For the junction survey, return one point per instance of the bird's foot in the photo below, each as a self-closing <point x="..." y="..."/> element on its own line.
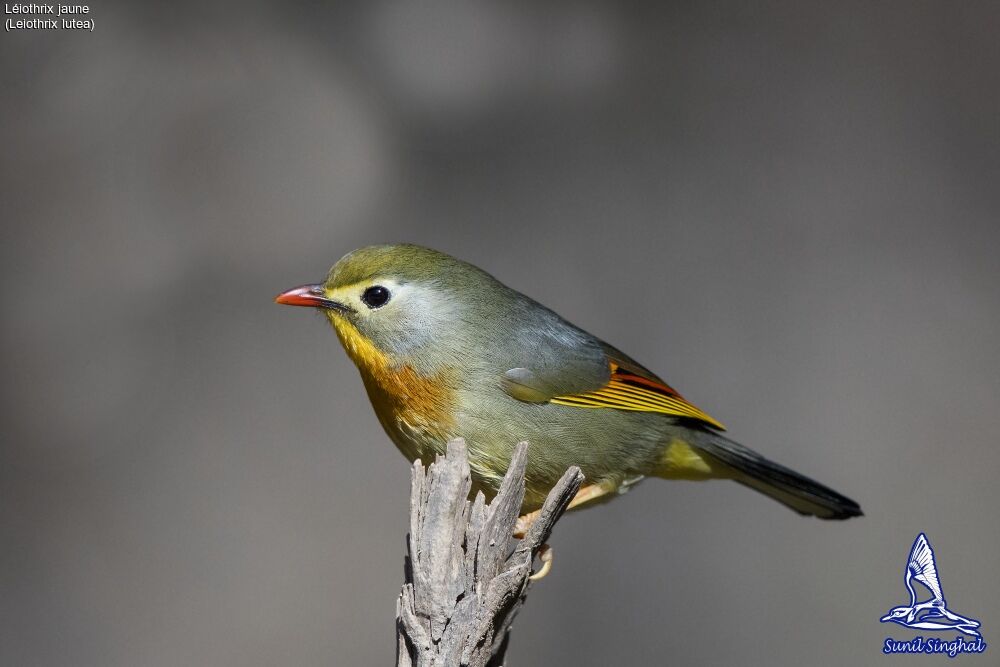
<point x="544" y="552"/>
<point x="587" y="494"/>
<point x="524" y="523"/>
<point x="545" y="556"/>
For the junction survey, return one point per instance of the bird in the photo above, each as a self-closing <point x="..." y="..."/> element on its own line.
<point x="921" y="566"/>
<point x="446" y="350"/>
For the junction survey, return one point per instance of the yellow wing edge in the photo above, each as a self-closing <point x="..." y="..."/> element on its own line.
<point x="621" y="393"/>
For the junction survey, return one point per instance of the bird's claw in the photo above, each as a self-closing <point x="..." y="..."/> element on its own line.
<point x="544" y="552"/>
<point x="545" y="556"/>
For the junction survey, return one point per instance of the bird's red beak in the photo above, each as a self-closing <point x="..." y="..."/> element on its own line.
<point x="313" y="296"/>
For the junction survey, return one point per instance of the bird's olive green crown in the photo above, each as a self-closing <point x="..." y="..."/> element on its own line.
<point x="405" y="262"/>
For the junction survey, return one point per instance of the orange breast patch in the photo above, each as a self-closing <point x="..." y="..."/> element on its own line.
<point x="413" y="407"/>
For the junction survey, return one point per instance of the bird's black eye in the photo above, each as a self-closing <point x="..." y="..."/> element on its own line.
<point x="376" y="296"/>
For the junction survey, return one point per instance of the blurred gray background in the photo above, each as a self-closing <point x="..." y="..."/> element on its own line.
<point x="789" y="211"/>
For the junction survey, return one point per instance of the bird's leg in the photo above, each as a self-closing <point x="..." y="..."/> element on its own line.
<point x="585" y="495"/>
<point x="524" y="523"/>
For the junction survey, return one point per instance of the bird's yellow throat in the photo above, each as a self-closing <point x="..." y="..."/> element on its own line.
<point x="405" y="401"/>
<point x="362" y="352"/>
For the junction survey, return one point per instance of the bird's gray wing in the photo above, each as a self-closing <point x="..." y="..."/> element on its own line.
<point x="554" y="361"/>
<point x="578" y="370"/>
<point x="922" y="566"/>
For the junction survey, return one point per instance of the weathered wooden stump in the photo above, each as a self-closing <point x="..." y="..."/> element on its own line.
<point x="464" y="582"/>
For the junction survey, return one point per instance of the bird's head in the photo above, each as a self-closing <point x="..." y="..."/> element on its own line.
<point x="896" y="614"/>
<point x="390" y="303"/>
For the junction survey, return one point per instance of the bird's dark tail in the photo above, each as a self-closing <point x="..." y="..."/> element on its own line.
<point x="788" y="487"/>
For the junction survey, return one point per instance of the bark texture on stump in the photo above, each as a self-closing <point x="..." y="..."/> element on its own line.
<point x="464" y="581"/>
